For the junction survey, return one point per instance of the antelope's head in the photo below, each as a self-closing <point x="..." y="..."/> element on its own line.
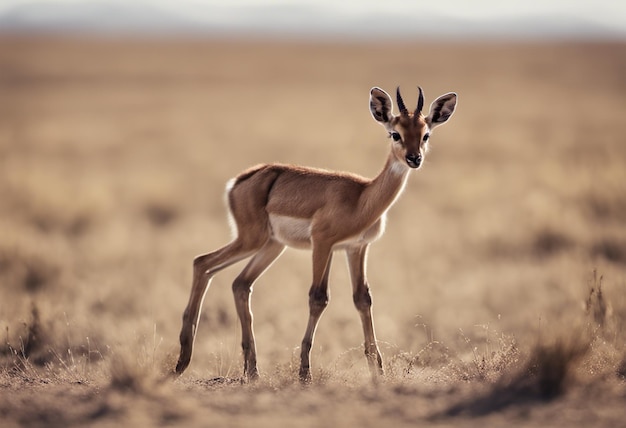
<point x="410" y="131"/>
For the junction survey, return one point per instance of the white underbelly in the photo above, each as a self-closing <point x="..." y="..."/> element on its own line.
<point x="291" y="231"/>
<point x="296" y="232"/>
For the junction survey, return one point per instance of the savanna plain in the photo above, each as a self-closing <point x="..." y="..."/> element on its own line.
<point x="499" y="286"/>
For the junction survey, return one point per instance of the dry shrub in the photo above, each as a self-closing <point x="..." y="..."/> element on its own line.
<point x="160" y="213"/>
<point x="484" y="360"/>
<point x="544" y="241"/>
<point x="140" y="366"/>
<point x="30" y="344"/>
<point x="493" y="362"/>
<point x="591" y="350"/>
<point x="549" y="241"/>
<point x="53" y="202"/>
<point x="28" y="269"/>
<point x="607" y="203"/>
<point x="136" y="391"/>
<point x="621" y="369"/>
<point x="548" y="369"/>
<point x="434" y="356"/>
<point x="596" y="306"/>
<point x="605" y="310"/>
<point x="606" y="317"/>
<point x="34" y="276"/>
<point x="129" y="376"/>
<point x="42" y="348"/>
<point x="611" y="249"/>
<point x="35" y="340"/>
<point x="543" y="377"/>
<point x="158" y="197"/>
<point x="606" y="208"/>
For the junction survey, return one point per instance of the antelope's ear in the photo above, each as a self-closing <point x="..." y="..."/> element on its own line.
<point x="441" y="109"/>
<point x="380" y="105"/>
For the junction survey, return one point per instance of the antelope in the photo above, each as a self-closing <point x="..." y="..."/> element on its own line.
<point x="273" y="206"/>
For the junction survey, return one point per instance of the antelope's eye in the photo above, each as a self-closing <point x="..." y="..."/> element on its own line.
<point x="395" y="136"/>
<point x="426" y="137"/>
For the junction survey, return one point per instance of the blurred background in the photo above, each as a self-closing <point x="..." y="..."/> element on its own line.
<point x="322" y="19"/>
<point x="121" y="121"/>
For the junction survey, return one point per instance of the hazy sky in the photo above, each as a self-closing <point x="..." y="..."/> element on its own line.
<point x="610" y="14"/>
<point x="608" y="11"/>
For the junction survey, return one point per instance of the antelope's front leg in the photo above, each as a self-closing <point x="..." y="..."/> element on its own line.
<point x="363" y="302"/>
<point x="318" y="300"/>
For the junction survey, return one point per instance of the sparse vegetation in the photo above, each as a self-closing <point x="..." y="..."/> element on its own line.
<point x="499" y="288"/>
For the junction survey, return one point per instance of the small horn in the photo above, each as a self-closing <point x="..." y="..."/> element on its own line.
<point x="420" y="101"/>
<point x="401" y="105"/>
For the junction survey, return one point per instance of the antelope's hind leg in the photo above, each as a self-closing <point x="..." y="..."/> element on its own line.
<point x="204" y="267"/>
<point x="242" y="288"/>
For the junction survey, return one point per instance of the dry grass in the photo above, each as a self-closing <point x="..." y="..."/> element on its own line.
<point x="113" y="158"/>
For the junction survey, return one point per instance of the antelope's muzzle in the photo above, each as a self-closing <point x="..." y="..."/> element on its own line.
<point x="414" y="160"/>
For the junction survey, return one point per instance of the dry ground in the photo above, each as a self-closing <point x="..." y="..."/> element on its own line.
<point x="113" y="158"/>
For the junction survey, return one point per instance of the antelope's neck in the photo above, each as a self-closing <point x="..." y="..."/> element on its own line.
<point x="385" y="188"/>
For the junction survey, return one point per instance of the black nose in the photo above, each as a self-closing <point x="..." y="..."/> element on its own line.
<point x="414" y="160"/>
